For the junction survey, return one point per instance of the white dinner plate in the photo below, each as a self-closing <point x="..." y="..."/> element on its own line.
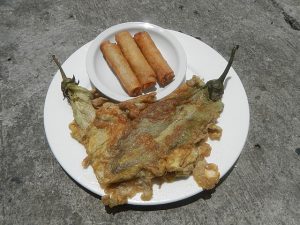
<point x="104" y="79"/>
<point x="203" y="61"/>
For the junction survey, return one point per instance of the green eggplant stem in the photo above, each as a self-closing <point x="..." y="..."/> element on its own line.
<point x="64" y="77"/>
<point x="216" y="87"/>
<point x="67" y="83"/>
<point x="224" y="74"/>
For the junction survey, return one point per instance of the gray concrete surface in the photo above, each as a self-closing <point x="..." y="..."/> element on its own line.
<point x="264" y="188"/>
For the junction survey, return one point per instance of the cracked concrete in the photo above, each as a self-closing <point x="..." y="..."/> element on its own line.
<point x="264" y="188"/>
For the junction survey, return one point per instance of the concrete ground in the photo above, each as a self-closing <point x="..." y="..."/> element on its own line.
<point x="264" y="188"/>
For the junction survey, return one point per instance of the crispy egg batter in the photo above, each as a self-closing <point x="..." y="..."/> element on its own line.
<point x="131" y="143"/>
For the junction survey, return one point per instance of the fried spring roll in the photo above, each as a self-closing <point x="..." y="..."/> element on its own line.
<point x="164" y="73"/>
<point x="115" y="59"/>
<point x="136" y="60"/>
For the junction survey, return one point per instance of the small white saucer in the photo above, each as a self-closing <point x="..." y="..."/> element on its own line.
<point x="105" y="80"/>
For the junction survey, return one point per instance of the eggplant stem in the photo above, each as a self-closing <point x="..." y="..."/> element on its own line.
<point x="64" y="76"/>
<point x="224" y="74"/>
<point x="216" y="87"/>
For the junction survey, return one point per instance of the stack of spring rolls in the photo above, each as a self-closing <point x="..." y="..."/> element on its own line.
<point x="137" y="62"/>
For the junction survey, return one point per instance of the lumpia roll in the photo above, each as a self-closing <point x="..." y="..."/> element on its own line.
<point x="115" y="59"/>
<point x="136" y="60"/>
<point x="164" y="73"/>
